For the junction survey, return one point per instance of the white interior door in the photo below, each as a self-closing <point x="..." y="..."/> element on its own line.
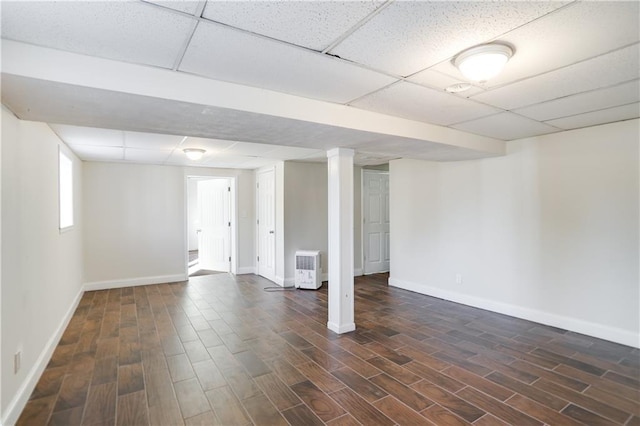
<point x="266" y="224"/>
<point x="214" y="238"/>
<point x="376" y="236"/>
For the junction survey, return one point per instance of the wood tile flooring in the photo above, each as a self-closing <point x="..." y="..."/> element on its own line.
<point x="220" y="350"/>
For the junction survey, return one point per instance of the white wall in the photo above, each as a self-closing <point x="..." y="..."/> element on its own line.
<point x="134" y="223"/>
<point x="549" y="232"/>
<point x="135" y="216"/>
<point x="41" y="267"/>
<point x="305" y="213"/>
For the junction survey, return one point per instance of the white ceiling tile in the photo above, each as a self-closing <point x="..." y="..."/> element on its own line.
<point x="146" y="155"/>
<point x="75" y="135"/>
<point x="312" y="24"/>
<point x="122" y="30"/>
<point x="151" y="140"/>
<point x="98" y="153"/>
<point x="609" y="115"/>
<point x="602" y="71"/>
<point x="230" y="55"/>
<point x="248" y="149"/>
<point x="186" y="6"/>
<point x="574" y="33"/>
<point x="409" y="36"/>
<point x="209" y="145"/>
<point x="621" y="94"/>
<point x="255" y="163"/>
<point x="419" y="103"/>
<point x="506" y="126"/>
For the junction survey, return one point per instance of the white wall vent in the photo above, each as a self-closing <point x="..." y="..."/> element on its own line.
<point x="308" y="270"/>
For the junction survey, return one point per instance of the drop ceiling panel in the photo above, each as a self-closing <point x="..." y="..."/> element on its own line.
<point x="75" y="135"/>
<point x="125" y="31"/>
<point x="98" y="153"/>
<point x="621" y="94"/>
<point x="312" y="24"/>
<point x="209" y="145"/>
<point x="419" y="103"/>
<point x="572" y="34"/>
<point x="154" y="156"/>
<point x="186" y="6"/>
<point x="594" y="118"/>
<point x="506" y="126"/>
<point x="151" y="140"/>
<point x="248" y="149"/>
<point x="437" y="80"/>
<point x="255" y="163"/>
<point x="408" y="36"/>
<point x="584" y="76"/>
<point x="230" y="55"/>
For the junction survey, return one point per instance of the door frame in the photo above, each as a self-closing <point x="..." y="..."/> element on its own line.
<point x="233" y="204"/>
<point x="362" y="236"/>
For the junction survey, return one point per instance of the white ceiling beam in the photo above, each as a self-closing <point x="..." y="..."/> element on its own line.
<point x="53" y="65"/>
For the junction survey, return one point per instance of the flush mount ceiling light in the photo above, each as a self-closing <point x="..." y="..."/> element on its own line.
<point x="480" y="63"/>
<point x="194" y="153"/>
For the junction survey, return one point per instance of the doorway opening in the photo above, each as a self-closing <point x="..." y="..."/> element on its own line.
<point x="211" y="225"/>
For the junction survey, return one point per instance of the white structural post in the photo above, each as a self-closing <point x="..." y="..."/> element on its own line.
<point x="340" y="172"/>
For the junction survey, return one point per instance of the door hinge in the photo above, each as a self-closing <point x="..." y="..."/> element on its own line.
<point x="257" y="185"/>
<point x="258" y="222"/>
<point x="228" y="189"/>
<point x="229" y="258"/>
<point x="258" y="258"/>
<point x="229" y="223"/>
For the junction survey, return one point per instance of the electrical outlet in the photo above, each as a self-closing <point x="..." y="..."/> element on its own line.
<point x="458" y="278"/>
<point x="16" y="362"/>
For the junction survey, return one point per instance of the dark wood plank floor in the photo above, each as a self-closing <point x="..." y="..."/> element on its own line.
<point x="220" y="350"/>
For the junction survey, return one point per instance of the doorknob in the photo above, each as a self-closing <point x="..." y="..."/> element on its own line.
<point x="272" y="232"/>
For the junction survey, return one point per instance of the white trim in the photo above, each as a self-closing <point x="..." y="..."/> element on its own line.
<point x="134" y="282"/>
<point x="21" y="397"/>
<point x="600" y="331"/>
<point x="340" y="329"/>
<point x="243" y="270"/>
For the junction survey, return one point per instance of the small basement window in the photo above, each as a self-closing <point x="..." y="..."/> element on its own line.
<point x="65" y="190"/>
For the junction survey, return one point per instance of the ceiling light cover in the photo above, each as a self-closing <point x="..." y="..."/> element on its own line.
<point x="194" y="154"/>
<point x="483" y="62"/>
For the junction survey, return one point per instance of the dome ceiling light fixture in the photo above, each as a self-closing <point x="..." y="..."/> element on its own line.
<point x="194" y="154"/>
<point x="483" y="62"/>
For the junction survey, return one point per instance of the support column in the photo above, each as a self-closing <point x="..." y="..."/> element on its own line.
<point x="341" y="308"/>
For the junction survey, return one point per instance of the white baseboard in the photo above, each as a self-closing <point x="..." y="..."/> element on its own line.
<point x="246" y="270"/>
<point x="600" y="331"/>
<point x="19" y="401"/>
<point x="357" y="272"/>
<point x="133" y="282"/>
